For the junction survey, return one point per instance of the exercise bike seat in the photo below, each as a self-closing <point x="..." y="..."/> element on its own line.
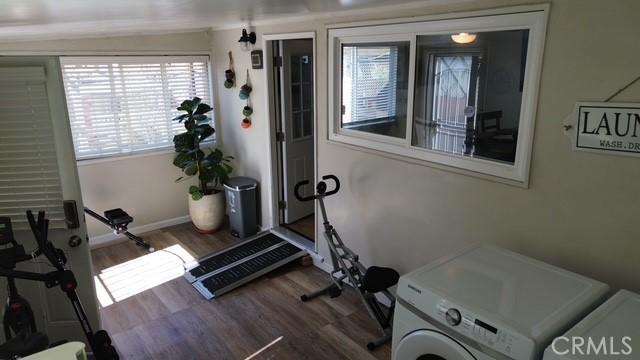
<point x="379" y="278"/>
<point x="118" y="217"/>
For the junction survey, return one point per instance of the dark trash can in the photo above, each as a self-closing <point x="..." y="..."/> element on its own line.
<point x="242" y="198"/>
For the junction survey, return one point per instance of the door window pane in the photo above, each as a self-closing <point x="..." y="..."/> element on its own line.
<point x="307" y="123"/>
<point x="306" y="64"/>
<point x="296" y="123"/>
<point x="295" y="69"/>
<point x="307" y="97"/>
<point x="295" y="97"/>
<point x="468" y="96"/>
<point x="374" y="87"/>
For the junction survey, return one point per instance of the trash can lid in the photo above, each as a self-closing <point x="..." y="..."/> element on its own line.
<point x="239" y="183"/>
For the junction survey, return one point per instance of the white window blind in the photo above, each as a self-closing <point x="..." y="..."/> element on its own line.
<point x="29" y="177"/>
<point x="369" y="82"/>
<point x="124" y="104"/>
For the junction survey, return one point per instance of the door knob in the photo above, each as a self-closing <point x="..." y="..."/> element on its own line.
<point x="75" y="241"/>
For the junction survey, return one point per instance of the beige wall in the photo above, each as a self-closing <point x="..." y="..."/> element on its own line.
<point x="580" y="211"/>
<point x="143" y="186"/>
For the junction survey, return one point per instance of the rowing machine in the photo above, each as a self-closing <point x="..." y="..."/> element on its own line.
<point x="118" y="220"/>
<point x="346" y="266"/>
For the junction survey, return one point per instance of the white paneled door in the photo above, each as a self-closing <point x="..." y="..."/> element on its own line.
<point x="38" y="171"/>
<point x="298" y="125"/>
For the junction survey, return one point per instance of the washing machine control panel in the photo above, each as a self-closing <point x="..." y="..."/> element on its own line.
<point x="482" y="331"/>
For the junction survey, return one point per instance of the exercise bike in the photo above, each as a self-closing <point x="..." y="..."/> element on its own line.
<point x="23" y="338"/>
<point x="346" y="266"/>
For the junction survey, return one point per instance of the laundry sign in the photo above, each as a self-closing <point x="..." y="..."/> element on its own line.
<point x="605" y="127"/>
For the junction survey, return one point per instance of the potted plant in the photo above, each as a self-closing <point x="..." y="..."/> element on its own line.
<point x="206" y="200"/>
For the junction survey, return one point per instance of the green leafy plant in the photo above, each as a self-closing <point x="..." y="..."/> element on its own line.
<point x="209" y="168"/>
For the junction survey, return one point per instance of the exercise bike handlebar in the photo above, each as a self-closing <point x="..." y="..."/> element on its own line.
<point x="336" y="184"/>
<point x="40" y="229"/>
<point x="321" y="188"/>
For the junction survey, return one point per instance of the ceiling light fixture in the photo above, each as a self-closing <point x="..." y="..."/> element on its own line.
<point x="463" y="38"/>
<point x="246" y="39"/>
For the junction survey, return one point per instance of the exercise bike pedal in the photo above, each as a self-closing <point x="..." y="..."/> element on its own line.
<point x="102" y="337"/>
<point x="334" y="292"/>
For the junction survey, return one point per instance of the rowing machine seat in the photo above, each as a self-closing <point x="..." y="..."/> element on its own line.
<point x="378" y="278"/>
<point x="118" y="217"/>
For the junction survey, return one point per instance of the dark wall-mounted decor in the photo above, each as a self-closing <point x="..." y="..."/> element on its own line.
<point x="229" y="74"/>
<point x="256" y="59"/>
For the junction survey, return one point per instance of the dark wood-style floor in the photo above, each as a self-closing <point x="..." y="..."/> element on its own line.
<point x="261" y="320"/>
<point x="305" y="226"/>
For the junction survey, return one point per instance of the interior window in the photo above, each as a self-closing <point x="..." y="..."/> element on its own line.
<point x="461" y="92"/>
<point x="374" y="88"/>
<point x="468" y="95"/>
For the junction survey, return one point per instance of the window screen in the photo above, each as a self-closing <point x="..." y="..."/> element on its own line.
<point x="124" y="104"/>
<point x="28" y="167"/>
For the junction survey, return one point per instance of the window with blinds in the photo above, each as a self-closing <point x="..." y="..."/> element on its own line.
<point x="374" y="88"/>
<point x="369" y="75"/>
<point x="28" y="167"/>
<point x="121" y="105"/>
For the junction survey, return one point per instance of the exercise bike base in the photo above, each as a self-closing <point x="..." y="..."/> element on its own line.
<point x="379" y="342"/>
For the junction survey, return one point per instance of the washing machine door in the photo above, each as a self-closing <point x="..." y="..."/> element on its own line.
<point x="431" y="345"/>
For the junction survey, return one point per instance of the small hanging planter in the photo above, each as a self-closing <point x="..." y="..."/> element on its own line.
<point x="229" y="75"/>
<point x="246" y="89"/>
<point x="247" y="111"/>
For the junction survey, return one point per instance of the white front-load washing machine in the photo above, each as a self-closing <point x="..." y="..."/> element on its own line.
<point x="610" y="332"/>
<point x="487" y="303"/>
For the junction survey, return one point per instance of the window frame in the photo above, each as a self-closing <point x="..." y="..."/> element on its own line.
<point x="336" y="70"/>
<point x="134" y="58"/>
<point x="532" y="18"/>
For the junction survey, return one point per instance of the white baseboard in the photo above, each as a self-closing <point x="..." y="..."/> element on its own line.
<point x="319" y="262"/>
<point x="112" y="238"/>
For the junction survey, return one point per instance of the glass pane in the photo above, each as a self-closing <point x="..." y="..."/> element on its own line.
<point x="374" y="87"/>
<point x="307" y="68"/>
<point x="307" y="123"/>
<point x="295" y="97"/>
<point x="468" y="93"/>
<point x="307" y="97"/>
<point x="296" y="125"/>
<point x="295" y="69"/>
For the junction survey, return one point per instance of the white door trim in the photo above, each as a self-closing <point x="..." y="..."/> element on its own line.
<point x="267" y="39"/>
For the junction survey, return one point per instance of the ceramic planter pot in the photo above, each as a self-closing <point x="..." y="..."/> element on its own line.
<point x="207" y="214"/>
<point x="247" y="111"/>
<point x="245" y="90"/>
<point x="246" y="123"/>
<point x="230" y="77"/>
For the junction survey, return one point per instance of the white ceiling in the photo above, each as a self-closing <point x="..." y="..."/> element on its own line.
<point x="33" y="19"/>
